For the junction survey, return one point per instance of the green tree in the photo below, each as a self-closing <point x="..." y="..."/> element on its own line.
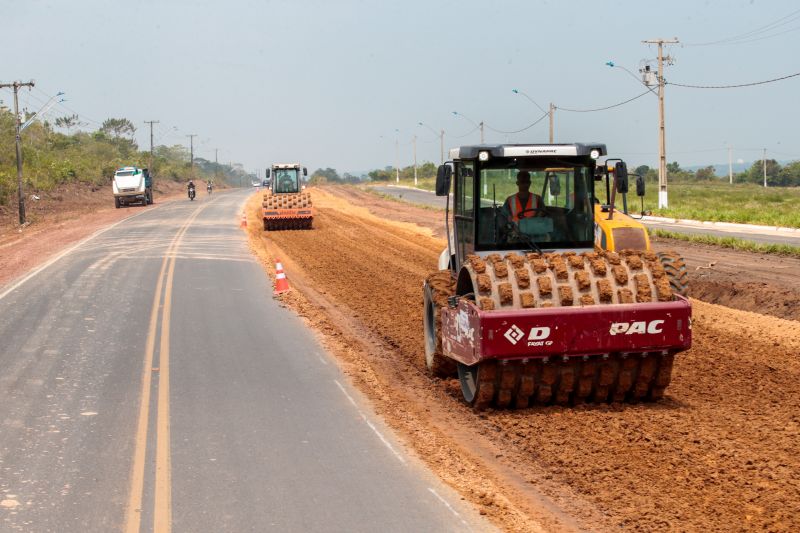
<point x="68" y="122"/>
<point x="381" y="175"/>
<point x="118" y="127"/>
<point x="789" y="176"/>
<point x="755" y="174"/>
<point x="324" y="175"/>
<point x="706" y="173"/>
<point x="674" y="168"/>
<point x="642" y="170"/>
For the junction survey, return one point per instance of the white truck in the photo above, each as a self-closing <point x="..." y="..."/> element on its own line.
<point x="132" y="185"/>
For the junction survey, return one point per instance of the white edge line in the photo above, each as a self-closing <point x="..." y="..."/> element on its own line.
<point x="370" y="424"/>
<point x="450" y="507"/>
<point x="52" y="260"/>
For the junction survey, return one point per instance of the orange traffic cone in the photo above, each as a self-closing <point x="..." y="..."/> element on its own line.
<point x="281" y="283"/>
<point x="243" y="223"/>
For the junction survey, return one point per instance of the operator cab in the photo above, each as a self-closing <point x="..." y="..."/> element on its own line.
<point x="286" y="178"/>
<point x="489" y="215"/>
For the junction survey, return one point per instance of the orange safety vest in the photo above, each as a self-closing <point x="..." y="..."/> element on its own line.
<point x="516" y="206"/>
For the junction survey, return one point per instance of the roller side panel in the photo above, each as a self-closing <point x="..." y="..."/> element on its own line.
<point x="470" y="335"/>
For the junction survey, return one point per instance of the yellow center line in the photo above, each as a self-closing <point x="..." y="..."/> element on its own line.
<point x="162" y="518"/>
<point x="133" y="510"/>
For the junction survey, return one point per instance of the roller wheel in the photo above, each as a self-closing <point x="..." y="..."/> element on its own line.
<point x="533" y="281"/>
<point x="438" y="287"/>
<point x="676" y="271"/>
<point x="478" y="383"/>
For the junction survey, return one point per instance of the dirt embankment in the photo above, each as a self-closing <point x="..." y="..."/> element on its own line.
<point x="721" y="452"/>
<point x="762" y="283"/>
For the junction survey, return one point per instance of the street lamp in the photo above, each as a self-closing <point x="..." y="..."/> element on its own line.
<point x="441" y="138"/>
<point x="397" y="155"/>
<point x="456" y="113"/>
<point x="550" y="113"/>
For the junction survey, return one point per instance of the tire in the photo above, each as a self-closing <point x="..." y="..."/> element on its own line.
<point x="676" y="271"/>
<point x="117" y="203"/>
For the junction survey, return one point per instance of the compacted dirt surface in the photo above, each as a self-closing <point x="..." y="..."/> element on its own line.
<point x="721" y="452"/>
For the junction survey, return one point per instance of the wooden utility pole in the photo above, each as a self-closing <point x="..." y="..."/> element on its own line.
<point x="191" y="153"/>
<point x="481" y="125"/>
<point x="151" y="122"/>
<point x="441" y="145"/>
<point x="662" y="144"/>
<point x="764" y="164"/>
<point x="552" y="122"/>
<point x="18" y="139"/>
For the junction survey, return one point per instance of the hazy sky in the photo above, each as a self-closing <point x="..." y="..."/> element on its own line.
<point x="327" y="83"/>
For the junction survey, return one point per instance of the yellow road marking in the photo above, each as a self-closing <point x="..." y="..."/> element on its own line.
<point x="162" y="519"/>
<point x="163" y="500"/>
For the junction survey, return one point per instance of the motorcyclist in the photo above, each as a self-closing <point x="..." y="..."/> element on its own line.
<point x="190" y="189"/>
<point x="209" y="186"/>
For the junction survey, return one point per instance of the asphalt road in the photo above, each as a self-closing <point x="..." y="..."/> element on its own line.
<point x="148" y="381"/>
<point x="416" y="196"/>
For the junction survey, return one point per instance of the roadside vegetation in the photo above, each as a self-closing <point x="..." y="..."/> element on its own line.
<point x="698" y="195"/>
<point x="730" y="242"/>
<point x="54" y="156"/>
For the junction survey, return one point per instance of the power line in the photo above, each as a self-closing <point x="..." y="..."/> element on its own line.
<point x="603" y="108"/>
<point x="732" y="86"/>
<point x="529" y="126"/>
<point x="473" y="130"/>
<point x="751" y="36"/>
<point x="67" y="108"/>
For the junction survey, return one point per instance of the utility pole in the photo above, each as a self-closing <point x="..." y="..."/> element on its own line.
<point x="552" y="109"/>
<point x="415" y="160"/>
<point x="764" y="164"/>
<point x="662" y="145"/>
<point x="216" y="165"/>
<point x="191" y="153"/>
<point x="151" y="122"/>
<point x="441" y="145"/>
<point x="397" y="159"/>
<point x="730" y="165"/>
<point x="18" y="139"/>
<point x="481" y="125"/>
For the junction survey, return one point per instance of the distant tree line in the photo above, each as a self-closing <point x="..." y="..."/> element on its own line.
<point x="424" y="171"/>
<point x="322" y="176"/>
<point x="777" y="175"/>
<point x="52" y="158"/>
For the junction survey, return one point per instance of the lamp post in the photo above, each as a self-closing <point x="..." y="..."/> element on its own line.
<point x="397" y="155"/>
<point x="441" y="139"/>
<point x="414" y="140"/>
<point x="456" y="113"/>
<point x="550" y="112"/>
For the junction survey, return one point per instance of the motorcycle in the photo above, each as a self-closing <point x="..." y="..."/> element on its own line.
<point x="191" y="193"/>
<point x="208" y="189"/>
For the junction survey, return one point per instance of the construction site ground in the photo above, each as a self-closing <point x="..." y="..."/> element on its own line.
<point x="721" y="452"/>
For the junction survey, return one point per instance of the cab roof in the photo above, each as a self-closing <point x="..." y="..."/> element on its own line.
<point x="286" y="165"/>
<point x="528" y="150"/>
